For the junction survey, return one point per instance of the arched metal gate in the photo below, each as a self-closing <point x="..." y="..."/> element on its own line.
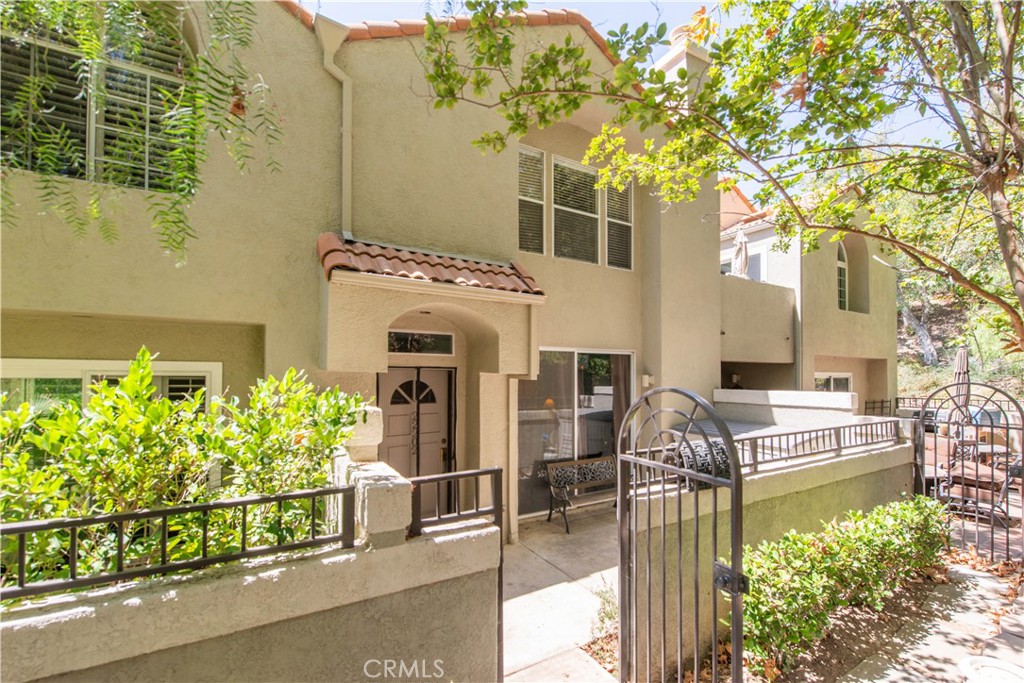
<point x="680" y="507"/>
<point x="968" y="441"/>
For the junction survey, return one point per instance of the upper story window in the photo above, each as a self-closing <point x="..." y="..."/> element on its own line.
<point x="620" y="227"/>
<point x="576" y="217"/>
<point x="108" y="127"/>
<point x="587" y="222"/>
<point x="843" y="279"/>
<point x="531" y="200"/>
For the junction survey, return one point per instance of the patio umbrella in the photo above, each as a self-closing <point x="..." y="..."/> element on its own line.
<point x="740" y="255"/>
<point x="961" y="382"/>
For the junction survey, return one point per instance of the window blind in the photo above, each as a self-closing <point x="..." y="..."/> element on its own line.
<point x="576" y="220"/>
<point x="620" y="227"/>
<point x="531" y="201"/>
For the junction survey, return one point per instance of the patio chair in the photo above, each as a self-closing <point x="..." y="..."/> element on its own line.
<point x="981" y="490"/>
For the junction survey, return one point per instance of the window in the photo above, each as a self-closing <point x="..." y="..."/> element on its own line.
<point x="413" y="392"/>
<point x="44" y="381"/>
<point x="571" y="411"/>
<point x="620" y="227"/>
<point x="531" y="200"/>
<point x="834" y="381"/>
<point x="420" y="342"/>
<point x="112" y="133"/>
<point x="576" y="219"/>
<point x="843" y="279"/>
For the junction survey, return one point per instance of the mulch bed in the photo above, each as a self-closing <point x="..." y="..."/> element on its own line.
<point x="855" y="633"/>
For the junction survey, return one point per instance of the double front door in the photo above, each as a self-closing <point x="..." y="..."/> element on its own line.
<point x="418" y="415"/>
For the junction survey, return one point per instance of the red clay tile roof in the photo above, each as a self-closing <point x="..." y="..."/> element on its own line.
<point x="336" y="252"/>
<point x="293" y="8"/>
<point x="369" y="30"/>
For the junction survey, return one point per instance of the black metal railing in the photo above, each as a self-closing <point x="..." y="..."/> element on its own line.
<point x="773" y="448"/>
<point x="114" y="545"/>
<point x="879" y="408"/>
<point x="453" y="504"/>
<point x="917" y="402"/>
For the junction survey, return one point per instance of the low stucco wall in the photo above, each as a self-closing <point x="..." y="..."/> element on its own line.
<point x="428" y="605"/>
<point x="432" y="631"/>
<point x="751" y="305"/>
<point x="798" y="408"/>
<point x="796" y="498"/>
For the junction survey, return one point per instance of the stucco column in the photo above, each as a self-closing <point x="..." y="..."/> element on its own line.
<point x="383" y="502"/>
<point x="368" y="433"/>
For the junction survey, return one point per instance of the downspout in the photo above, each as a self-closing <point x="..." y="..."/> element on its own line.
<point x="332" y="36"/>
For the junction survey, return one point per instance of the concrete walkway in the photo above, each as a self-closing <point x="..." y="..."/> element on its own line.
<point x="958" y="624"/>
<point x="553" y="584"/>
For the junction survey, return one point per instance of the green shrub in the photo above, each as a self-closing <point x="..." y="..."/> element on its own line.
<point x="797" y="582"/>
<point x="128" y="449"/>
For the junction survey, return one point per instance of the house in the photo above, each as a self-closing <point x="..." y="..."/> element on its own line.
<point x="828" y="317"/>
<point x="502" y="311"/>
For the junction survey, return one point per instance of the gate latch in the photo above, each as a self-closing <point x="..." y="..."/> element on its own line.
<point x="725" y="579"/>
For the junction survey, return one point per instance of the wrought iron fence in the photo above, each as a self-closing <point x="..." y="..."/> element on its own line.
<point x="879" y="408"/>
<point x="88" y="551"/>
<point x="453" y="504"/>
<point x="917" y="402"/>
<point x="774" y="448"/>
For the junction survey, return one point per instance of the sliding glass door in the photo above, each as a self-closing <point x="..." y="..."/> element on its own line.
<point x="571" y="411"/>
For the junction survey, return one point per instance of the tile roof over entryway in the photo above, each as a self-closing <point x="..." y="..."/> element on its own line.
<point x="337" y="252"/>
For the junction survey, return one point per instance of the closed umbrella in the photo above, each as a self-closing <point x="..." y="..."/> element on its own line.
<point x="962" y="384"/>
<point x="740" y="255"/>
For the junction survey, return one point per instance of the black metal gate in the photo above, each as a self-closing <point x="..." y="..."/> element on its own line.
<point x="680" y="507"/>
<point x="968" y="442"/>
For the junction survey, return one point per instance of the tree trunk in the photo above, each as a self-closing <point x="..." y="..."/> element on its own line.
<point x="924" y="338"/>
<point x="1009" y="248"/>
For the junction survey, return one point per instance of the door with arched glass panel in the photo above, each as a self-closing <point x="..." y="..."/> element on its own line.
<point x="417" y="424"/>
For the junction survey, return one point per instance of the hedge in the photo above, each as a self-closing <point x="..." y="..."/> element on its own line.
<point x="799" y="581"/>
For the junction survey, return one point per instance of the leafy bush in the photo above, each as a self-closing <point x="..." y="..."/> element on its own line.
<point x="797" y="582"/>
<point x="129" y="449"/>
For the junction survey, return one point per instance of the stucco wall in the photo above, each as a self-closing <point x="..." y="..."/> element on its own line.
<point x="774" y="502"/>
<point x="45" y="335"/>
<point x="426" y="627"/>
<point x="253" y="262"/>
<point x="829" y="331"/>
<point x="318" y="616"/>
<point x="757" y="321"/>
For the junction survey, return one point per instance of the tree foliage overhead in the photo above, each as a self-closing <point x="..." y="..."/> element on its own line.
<point x="905" y="101"/>
<point x="98" y="46"/>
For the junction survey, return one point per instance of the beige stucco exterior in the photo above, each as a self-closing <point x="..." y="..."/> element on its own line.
<point x="366" y="153"/>
<point x="337" y="615"/>
<point x="859" y="342"/>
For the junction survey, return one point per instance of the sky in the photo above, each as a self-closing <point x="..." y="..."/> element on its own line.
<point x="603" y="15"/>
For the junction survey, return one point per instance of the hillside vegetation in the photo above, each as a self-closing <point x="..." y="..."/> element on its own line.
<point x="950" y="325"/>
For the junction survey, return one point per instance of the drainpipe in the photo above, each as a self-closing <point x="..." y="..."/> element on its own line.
<point x="332" y="36"/>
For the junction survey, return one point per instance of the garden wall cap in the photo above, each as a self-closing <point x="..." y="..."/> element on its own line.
<point x="339" y="253"/>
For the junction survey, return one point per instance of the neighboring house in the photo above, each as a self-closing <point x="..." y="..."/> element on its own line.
<point x="502" y="310"/>
<point x="827" y="319"/>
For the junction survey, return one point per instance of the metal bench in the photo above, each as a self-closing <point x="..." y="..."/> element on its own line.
<point x="578" y="475"/>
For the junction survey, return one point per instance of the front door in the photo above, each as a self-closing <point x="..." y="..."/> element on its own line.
<point x="417" y="421"/>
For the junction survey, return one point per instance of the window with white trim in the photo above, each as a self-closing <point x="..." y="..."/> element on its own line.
<point x="531" y="200"/>
<point x="833" y="381"/>
<point x="843" y="279"/>
<point x="620" y="227"/>
<point x="42" y="381"/>
<point x="113" y="131"/>
<point x="576" y="211"/>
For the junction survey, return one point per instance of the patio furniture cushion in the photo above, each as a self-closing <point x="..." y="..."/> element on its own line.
<point x="698" y="457"/>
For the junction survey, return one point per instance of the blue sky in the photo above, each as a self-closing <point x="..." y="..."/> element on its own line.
<point x="604" y="15"/>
